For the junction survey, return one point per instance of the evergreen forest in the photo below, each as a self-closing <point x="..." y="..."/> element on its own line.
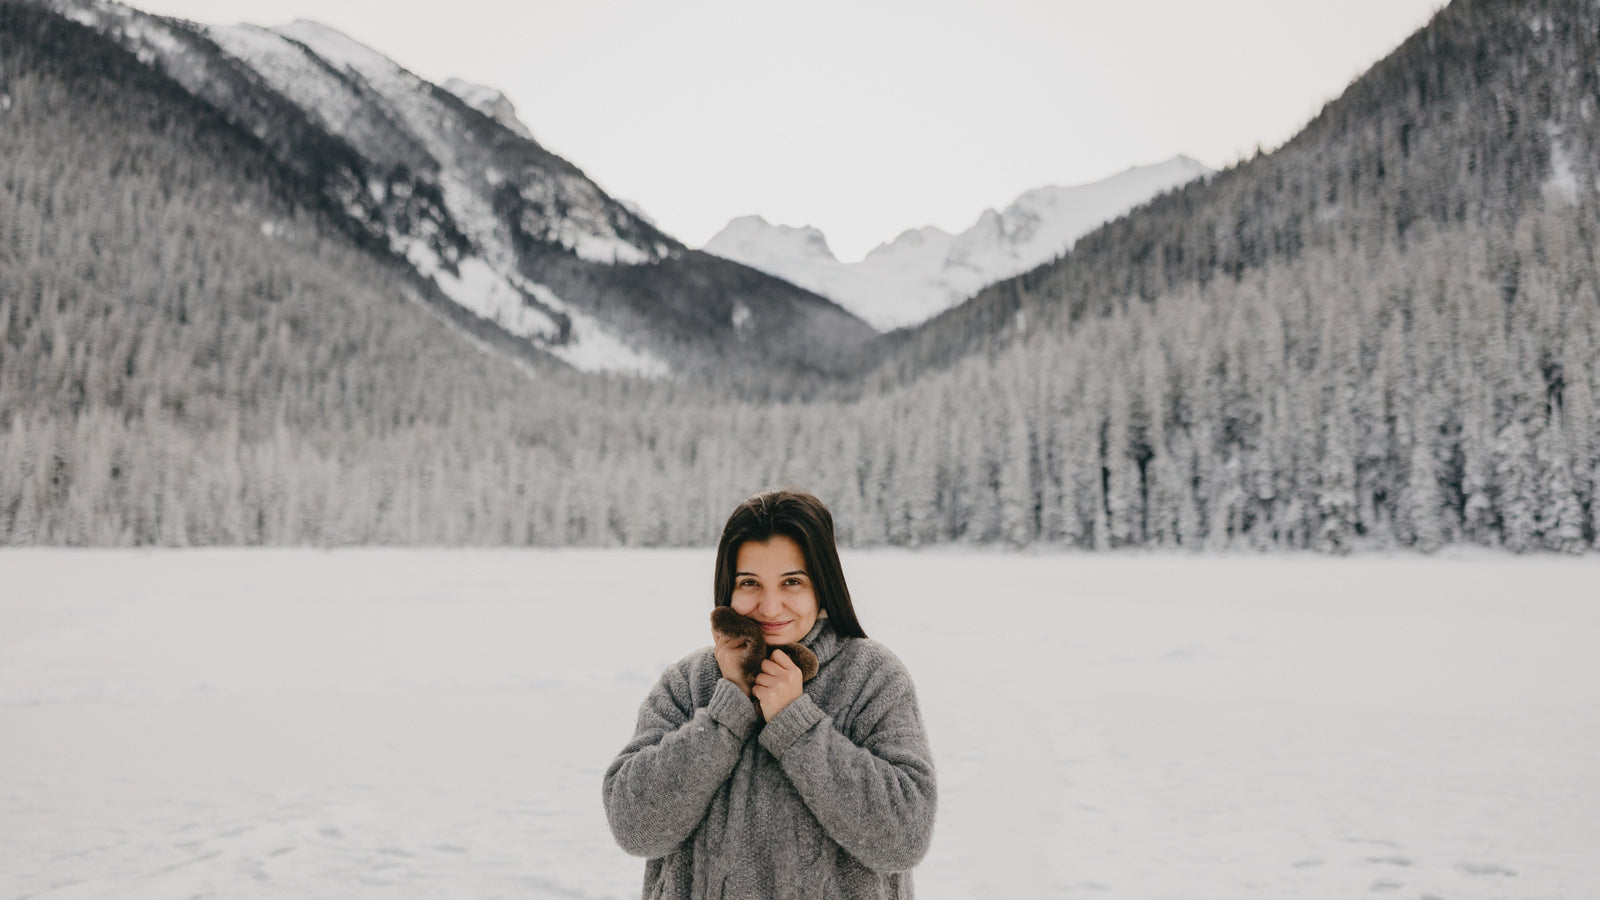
<point x="1383" y="334"/>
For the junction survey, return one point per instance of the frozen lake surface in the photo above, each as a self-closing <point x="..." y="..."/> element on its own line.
<point x="435" y="723"/>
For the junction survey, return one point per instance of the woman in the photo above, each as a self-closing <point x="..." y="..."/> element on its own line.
<point x="778" y="787"/>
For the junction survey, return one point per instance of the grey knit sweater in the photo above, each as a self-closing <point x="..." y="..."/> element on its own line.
<point x="834" y="798"/>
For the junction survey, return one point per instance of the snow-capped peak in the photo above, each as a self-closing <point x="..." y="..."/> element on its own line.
<point x="489" y="101"/>
<point x="912" y="240"/>
<point x="754" y="235"/>
<point x="925" y="271"/>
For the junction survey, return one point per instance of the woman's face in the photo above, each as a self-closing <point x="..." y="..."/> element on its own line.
<point x="772" y="586"/>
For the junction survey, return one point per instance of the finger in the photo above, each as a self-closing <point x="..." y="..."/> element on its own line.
<point x="782" y="659"/>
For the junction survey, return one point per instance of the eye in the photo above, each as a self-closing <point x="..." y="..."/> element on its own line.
<point x="747" y="582"/>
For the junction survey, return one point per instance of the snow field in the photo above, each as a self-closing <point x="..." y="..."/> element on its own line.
<point x="435" y="723"/>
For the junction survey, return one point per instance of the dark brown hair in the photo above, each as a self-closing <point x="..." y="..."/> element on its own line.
<point x="803" y="519"/>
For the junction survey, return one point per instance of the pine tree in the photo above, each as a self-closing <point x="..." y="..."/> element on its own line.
<point x="1422" y="498"/>
<point x="1559" y="517"/>
<point x="1516" y="497"/>
<point x="1014" y="486"/>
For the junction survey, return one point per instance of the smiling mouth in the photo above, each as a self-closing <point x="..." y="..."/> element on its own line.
<point x="774" y="626"/>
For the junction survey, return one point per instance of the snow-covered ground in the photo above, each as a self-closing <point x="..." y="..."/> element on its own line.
<point x="392" y="723"/>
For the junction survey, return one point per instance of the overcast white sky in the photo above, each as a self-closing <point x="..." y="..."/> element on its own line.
<point x="868" y="117"/>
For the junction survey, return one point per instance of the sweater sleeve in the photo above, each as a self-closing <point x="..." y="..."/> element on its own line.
<point x="875" y="798"/>
<point x="659" y="787"/>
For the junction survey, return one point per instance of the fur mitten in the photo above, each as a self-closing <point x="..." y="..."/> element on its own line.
<point x="725" y="621"/>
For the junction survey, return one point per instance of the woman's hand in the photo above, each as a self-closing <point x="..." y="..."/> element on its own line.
<point x="778" y="685"/>
<point x="730" y="653"/>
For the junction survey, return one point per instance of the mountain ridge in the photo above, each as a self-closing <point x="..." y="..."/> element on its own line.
<point x="1381" y="335"/>
<point x="1272" y="207"/>
<point x="509" y="232"/>
<point x="924" y="271"/>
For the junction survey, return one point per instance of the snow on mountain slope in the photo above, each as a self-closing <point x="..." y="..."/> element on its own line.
<point x="926" y="271"/>
<point x="469" y="179"/>
<point x="753" y="234"/>
<point x="449" y="193"/>
<point x="797" y="255"/>
<point x="330" y="99"/>
<point x="336" y="79"/>
<point x="489" y="101"/>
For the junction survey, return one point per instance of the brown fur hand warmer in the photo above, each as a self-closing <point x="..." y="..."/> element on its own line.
<point x="727" y="622"/>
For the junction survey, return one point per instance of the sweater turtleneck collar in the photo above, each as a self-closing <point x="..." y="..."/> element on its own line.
<point x="822" y="640"/>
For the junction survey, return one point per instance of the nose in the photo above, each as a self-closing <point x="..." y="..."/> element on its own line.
<point x="770" y="606"/>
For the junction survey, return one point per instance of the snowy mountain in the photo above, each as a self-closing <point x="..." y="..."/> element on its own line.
<point x="926" y="271"/>
<point x="449" y="180"/>
<point x="1382" y="334"/>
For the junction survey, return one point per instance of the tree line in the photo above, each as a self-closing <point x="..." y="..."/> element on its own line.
<point x="187" y="359"/>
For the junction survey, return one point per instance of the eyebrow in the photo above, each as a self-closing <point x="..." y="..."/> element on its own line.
<point x="795" y="572"/>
